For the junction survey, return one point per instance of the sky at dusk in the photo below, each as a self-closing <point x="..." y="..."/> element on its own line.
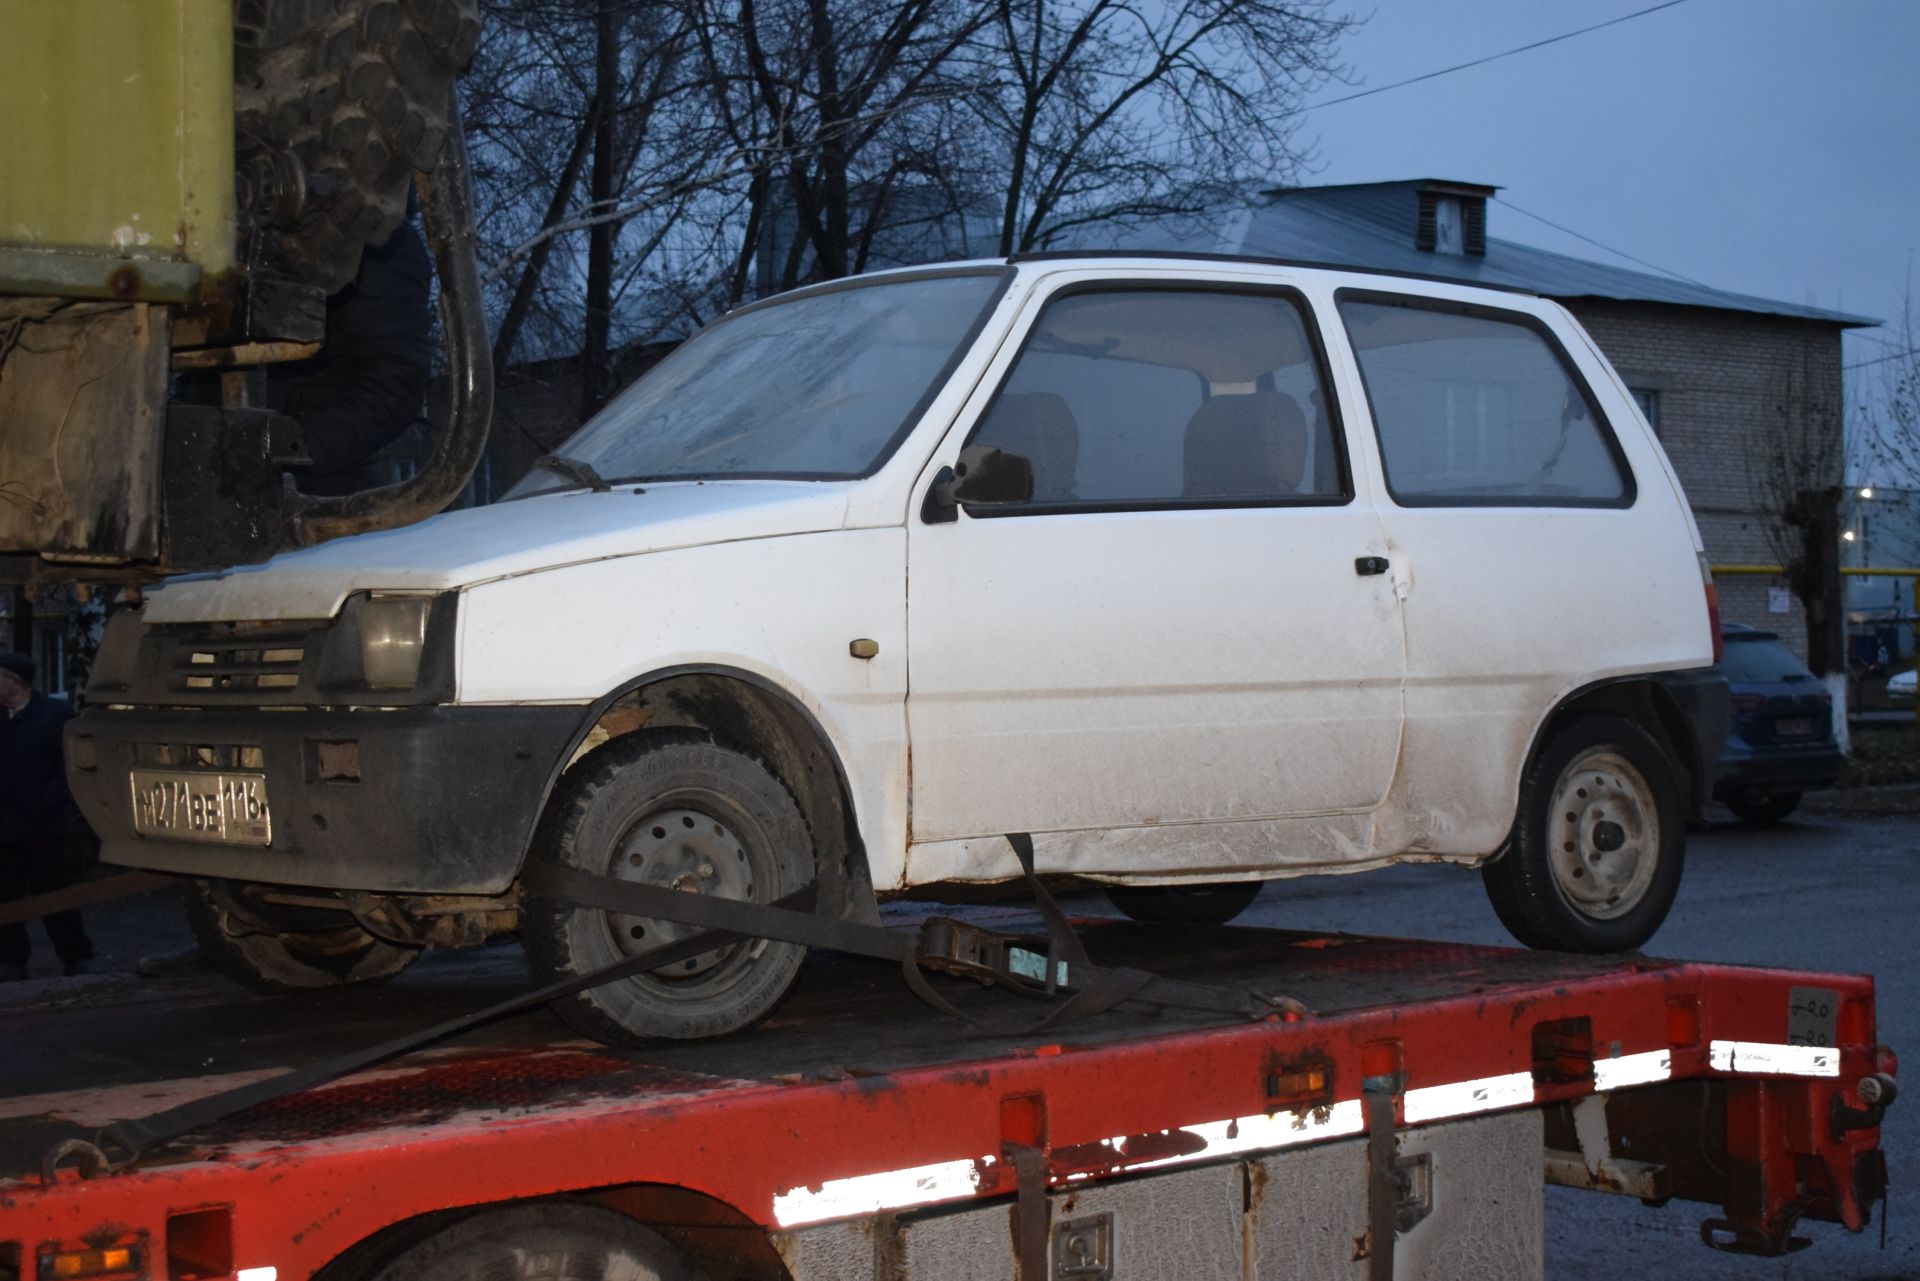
<point x="1766" y="146"/>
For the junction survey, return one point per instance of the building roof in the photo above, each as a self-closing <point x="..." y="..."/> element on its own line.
<point x="1372" y="226"/>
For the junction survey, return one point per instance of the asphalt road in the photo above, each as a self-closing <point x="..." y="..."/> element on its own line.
<point x="1823" y="892"/>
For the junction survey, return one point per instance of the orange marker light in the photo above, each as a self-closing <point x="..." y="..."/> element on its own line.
<point x="73" y="1265"/>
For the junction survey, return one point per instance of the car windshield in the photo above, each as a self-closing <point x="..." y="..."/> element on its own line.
<point x="821" y="386"/>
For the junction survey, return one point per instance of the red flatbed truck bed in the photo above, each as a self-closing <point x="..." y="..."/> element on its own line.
<point x="1405" y="1128"/>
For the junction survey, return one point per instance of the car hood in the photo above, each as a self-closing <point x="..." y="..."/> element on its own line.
<point x="459" y="549"/>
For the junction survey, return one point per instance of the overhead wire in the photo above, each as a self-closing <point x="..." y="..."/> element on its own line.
<point x="1491" y="57"/>
<point x="1508" y="53"/>
<point x="1651" y="266"/>
<point x="1881" y="360"/>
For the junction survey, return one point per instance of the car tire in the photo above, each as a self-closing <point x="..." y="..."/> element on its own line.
<point x="1599" y="843"/>
<point x="541" y="1241"/>
<point x="357" y="93"/>
<point x="1761" y="808"/>
<point x="1214" y="903"/>
<point x="274" y="948"/>
<point x="669" y="808"/>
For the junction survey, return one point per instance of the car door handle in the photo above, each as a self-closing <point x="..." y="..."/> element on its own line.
<point x="1364" y="565"/>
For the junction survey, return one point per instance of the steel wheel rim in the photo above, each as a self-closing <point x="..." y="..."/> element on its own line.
<point x="683" y="847"/>
<point x="1603" y="834"/>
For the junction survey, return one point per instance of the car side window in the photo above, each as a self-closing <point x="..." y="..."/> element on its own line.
<point x="1153" y="397"/>
<point x="1478" y="407"/>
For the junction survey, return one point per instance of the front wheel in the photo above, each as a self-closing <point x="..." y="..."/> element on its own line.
<point x="672" y="809"/>
<point x="277" y="948"/>
<point x="1214" y="903"/>
<point x="1596" y="853"/>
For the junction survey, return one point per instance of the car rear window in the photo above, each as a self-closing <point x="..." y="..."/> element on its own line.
<point x="1754" y="659"/>
<point x="1475" y="407"/>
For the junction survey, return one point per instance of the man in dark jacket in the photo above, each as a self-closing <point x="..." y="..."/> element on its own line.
<point x="33" y="817"/>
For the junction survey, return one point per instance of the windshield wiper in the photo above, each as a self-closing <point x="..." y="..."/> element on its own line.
<point x="574" y="470"/>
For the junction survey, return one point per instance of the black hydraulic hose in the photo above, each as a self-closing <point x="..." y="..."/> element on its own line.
<point x="446" y="207"/>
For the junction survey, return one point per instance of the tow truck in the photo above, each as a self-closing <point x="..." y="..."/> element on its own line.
<point x="1397" y="1114"/>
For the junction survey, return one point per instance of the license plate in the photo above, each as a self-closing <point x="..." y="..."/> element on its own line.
<point x="1794" y="727"/>
<point x="202" y="806"/>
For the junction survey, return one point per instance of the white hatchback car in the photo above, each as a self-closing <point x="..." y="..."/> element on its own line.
<point x="1204" y="572"/>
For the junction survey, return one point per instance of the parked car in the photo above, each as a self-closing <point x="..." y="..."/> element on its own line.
<point x="1203" y="572"/>
<point x="1781" y="743"/>
<point x="1901" y="685"/>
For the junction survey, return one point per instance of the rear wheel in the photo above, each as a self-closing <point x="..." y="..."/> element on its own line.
<point x="542" y="1241"/>
<point x="1596" y="854"/>
<point x="1764" y="807"/>
<point x="672" y="809"/>
<point x="272" y="947"/>
<point x="1211" y="904"/>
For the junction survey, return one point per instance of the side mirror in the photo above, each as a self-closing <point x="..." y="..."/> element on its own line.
<point x="992" y="477"/>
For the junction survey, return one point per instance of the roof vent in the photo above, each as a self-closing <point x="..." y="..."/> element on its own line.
<point x="1451" y="222"/>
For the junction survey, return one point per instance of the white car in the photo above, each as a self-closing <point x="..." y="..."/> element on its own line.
<point x="1203" y="572"/>
<point x="1900" y="686"/>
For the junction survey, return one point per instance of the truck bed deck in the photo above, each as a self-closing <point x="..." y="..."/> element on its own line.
<point x="855" y="1098"/>
<point x="847" y="1017"/>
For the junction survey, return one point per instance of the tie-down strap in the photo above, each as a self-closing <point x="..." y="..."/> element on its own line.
<point x="1044" y="968"/>
<point x="1029" y="965"/>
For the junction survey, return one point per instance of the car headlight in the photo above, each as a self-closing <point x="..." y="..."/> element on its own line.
<point x="393" y="632"/>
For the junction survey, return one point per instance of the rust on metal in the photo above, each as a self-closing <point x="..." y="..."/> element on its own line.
<point x="82" y="395"/>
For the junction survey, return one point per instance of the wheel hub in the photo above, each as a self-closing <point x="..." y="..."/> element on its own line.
<point x="680" y="849"/>
<point x="1604" y="834"/>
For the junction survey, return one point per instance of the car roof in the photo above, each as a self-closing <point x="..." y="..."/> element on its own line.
<point x="1162" y="258"/>
<point x="1159" y="256"/>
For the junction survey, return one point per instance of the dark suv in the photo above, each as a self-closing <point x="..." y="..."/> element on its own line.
<point x="1781" y="742"/>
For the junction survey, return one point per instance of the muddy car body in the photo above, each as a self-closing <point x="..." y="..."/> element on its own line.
<point x="1204" y="572"/>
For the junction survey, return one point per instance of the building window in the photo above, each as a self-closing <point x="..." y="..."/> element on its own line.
<point x="1649" y="402"/>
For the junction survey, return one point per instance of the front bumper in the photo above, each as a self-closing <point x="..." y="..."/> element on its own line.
<point x="445" y="802"/>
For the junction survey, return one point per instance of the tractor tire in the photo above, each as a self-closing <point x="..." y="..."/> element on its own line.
<point x="336" y="104"/>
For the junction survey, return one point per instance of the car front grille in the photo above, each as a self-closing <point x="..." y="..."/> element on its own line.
<point x="252" y="663"/>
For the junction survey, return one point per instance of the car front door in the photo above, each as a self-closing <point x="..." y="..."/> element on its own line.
<point x="1182" y="635"/>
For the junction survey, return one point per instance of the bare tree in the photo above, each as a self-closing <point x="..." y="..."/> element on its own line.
<point x="839" y="106"/>
<point x="559" y="90"/>
<point x="643" y="164"/>
<point x="1888" y="406"/>
<point x="1795" y="480"/>
<point x="1107" y="111"/>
